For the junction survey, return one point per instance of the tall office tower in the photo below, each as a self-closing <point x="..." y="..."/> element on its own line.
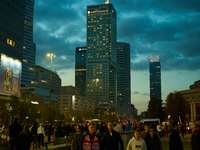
<point x="101" y="54"/>
<point x="123" y="73"/>
<point x="29" y="77"/>
<point x="12" y="28"/>
<point x="155" y="77"/>
<point x="80" y="71"/>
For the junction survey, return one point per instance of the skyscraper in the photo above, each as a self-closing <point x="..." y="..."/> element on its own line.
<point x="101" y="57"/>
<point x="29" y="77"/>
<point x="80" y="70"/>
<point x="155" y="77"/>
<point x="123" y="73"/>
<point x="12" y="28"/>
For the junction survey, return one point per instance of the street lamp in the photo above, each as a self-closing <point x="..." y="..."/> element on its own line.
<point x="50" y="55"/>
<point x="96" y="89"/>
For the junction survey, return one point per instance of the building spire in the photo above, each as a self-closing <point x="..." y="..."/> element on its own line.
<point x="107" y="2"/>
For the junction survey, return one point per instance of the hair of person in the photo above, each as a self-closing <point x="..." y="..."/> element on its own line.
<point x="137" y="130"/>
<point x="15" y="120"/>
<point x="110" y="122"/>
<point x="26" y="130"/>
<point x="92" y="123"/>
<point x="79" y="127"/>
<point x="174" y="124"/>
<point x="155" y="137"/>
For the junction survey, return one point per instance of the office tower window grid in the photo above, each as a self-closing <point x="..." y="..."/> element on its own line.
<point x="155" y="77"/>
<point x="101" y="52"/>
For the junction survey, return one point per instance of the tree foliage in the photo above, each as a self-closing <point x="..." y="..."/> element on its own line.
<point x="176" y="106"/>
<point x="155" y="109"/>
<point x="51" y="113"/>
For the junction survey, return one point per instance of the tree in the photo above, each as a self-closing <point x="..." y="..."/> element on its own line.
<point x="176" y="106"/>
<point x="51" y="113"/>
<point x="4" y="115"/>
<point x="155" y="109"/>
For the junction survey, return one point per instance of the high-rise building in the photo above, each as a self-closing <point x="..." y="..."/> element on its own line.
<point x="80" y="69"/>
<point x="29" y="77"/>
<point x="123" y="73"/>
<point x="12" y="28"/>
<point x="101" y="60"/>
<point x="155" y="77"/>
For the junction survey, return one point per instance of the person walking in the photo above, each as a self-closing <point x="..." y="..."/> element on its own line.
<point x="195" y="136"/>
<point x="112" y="138"/>
<point x="152" y="140"/>
<point x="49" y="131"/>
<point x="25" y="138"/>
<point x="183" y="128"/>
<point x="14" y="131"/>
<point x="146" y="129"/>
<point x="34" y="132"/>
<point x="91" y="141"/>
<point x="41" y="135"/>
<point x="76" y="138"/>
<point x="136" y="143"/>
<point x="175" y="142"/>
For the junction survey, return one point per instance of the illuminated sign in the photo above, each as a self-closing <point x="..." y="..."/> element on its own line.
<point x="10" y="42"/>
<point x="10" y="76"/>
<point x="154" y="58"/>
<point x="34" y="102"/>
<point x="82" y="49"/>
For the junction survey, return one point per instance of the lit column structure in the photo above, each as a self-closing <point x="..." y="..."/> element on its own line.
<point x="96" y="90"/>
<point x="50" y="55"/>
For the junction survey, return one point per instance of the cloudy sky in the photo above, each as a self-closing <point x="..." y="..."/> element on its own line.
<point x="169" y="28"/>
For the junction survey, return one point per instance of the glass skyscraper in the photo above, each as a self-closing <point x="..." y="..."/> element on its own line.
<point x="101" y="60"/>
<point x="12" y="28"/>
<point x="123" y="73"/>
<point x="80" y="70"/>
<point x="29" y="77"/>
<point x="155" y="77"/>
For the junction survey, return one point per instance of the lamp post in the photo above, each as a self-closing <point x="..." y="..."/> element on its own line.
<point x="50" y="55"/>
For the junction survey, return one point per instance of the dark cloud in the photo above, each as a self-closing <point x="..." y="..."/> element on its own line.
<point x="145" y="94"/>
<point x="136" y="92"/>
<point x="152" y="27"/>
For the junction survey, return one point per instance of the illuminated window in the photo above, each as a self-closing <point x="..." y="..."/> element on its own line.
<point x="31" y="69"/>
<point x="10" y="42"/>
<point x="43" y="81"/>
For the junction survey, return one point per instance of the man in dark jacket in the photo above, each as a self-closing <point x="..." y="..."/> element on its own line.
<point x="112" y="138"/>
<point x="196" y="136"/>
<point x="175" y="142"/>
<point x="14" y="131"/>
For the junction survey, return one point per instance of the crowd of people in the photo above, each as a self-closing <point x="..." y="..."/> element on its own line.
<point x="102" y="136"/>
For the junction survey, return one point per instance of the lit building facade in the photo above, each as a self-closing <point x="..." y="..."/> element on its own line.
<point x="123" y="73"/>
<point x="12" y="28"/>
<point x="155" y="77"/>
<point x="70" y="99"/>
<point x="192" y="96"/>
<point x="80" y="69"/>
<point x="101" y="60"/>
<point x="29" y="77"/>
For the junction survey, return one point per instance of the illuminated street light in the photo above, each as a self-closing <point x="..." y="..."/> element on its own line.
<point x="50" y="55"/>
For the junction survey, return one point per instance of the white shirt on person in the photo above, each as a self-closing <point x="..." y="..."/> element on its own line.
<point x="40" y="130"/>
<point x="134" y="144"/>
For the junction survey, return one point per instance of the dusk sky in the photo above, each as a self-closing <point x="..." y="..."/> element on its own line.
<point x="168" y="28"/>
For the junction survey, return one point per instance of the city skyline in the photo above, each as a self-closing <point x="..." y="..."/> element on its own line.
<point x="170" y="30"/>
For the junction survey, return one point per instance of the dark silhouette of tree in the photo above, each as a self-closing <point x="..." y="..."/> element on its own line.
<point x="156" y="109"/>
<point x="176" y="106"/>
